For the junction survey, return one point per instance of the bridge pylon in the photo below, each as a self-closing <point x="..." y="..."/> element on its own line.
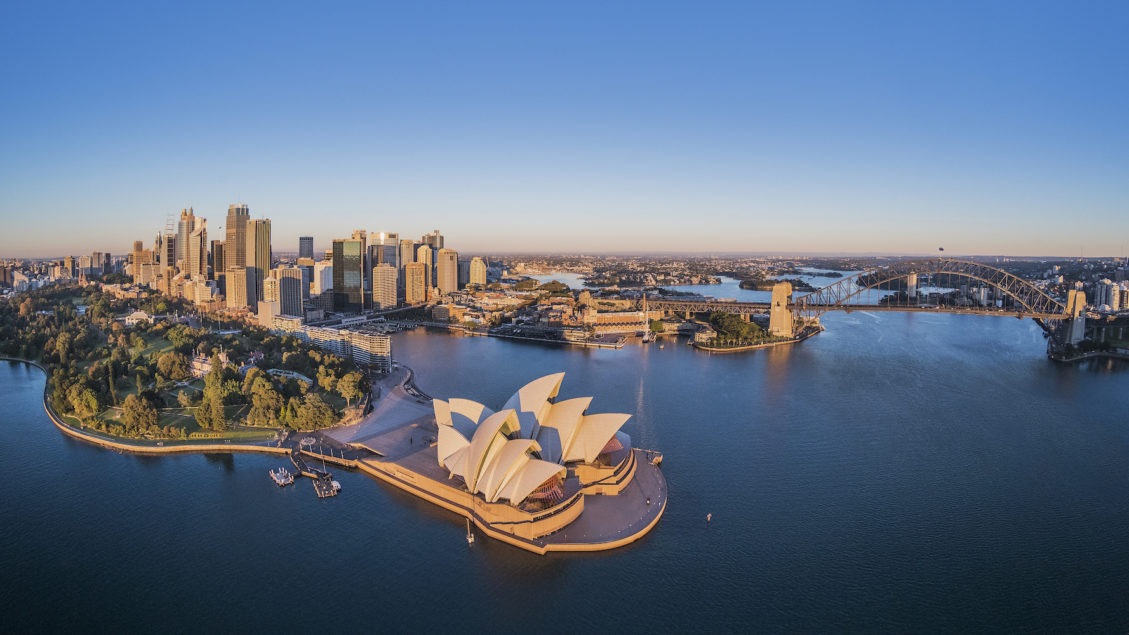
<point x="779" y="314"/>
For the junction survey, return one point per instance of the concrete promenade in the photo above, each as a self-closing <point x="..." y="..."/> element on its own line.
<point x="395" y="444"/>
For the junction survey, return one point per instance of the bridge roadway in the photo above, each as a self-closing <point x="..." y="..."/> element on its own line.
<point x="762" y="308"/>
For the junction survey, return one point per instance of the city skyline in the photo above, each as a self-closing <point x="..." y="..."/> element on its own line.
<point x="817" y="129"/>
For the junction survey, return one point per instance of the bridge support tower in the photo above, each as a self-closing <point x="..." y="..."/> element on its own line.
<point x="1074" y="330"/>
<point x="779" y="314"/>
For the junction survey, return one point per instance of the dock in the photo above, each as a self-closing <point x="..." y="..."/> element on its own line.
<point x="324" y="485"/>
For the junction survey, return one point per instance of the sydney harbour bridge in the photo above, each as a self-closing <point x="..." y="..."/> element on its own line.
<point x="894" y="287"/>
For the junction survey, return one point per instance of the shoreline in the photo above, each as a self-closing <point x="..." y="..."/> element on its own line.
<point x="377" y="468"/>
<point x="753" y="347"/>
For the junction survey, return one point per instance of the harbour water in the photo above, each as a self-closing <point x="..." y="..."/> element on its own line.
<point x="898" y="472"/>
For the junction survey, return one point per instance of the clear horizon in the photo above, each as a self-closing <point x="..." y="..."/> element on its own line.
<point x="824" y="128"/>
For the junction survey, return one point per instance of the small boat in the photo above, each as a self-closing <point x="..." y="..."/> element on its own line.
<point x="336" y="486"/>
<point x="660" y="347"/>
<point x="282" y="477"/>
<point x="469" y="534"/>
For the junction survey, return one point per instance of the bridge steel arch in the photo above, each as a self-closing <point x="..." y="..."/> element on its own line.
<point x="1033" y="300"/>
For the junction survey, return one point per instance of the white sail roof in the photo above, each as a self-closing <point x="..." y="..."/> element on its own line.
<point x="506" y="455"/>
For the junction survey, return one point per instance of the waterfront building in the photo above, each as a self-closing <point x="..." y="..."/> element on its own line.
<point x="384" y="286"/>
<point x="258" y="255"/>
<point x="348" y="275"/>
<point x="306" y="247"/>
<point x="415" y="283"/>
<point x="372" y="349"/>
<point x="447" y="271"/>
<point x="527" y="463"/>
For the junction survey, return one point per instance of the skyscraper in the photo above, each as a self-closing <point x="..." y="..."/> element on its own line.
<point x="305" y="246"/>
<point x="424" y="257"/>
<point x="184" y="229"/>
<point x="384" y="286"/>
<point x="415" y="283"/>
<point x="366" y="268"/>
<point x="433" y="240"/>
<point x="289" y="290"/>
<point x="447" y="271"/>
<point x="388" y="248"/>
<point x="323" y="277"/>
<point x="407" y="252"/>
<point x="235" y="243"/>
<point x="167" y="254"/>
<point x="348" y="275"/>
<point x="477" y="271"/>
<point x="258" y="254"/>
<point x="217" y="260"/>
<point x="238" y="288"/>
<point x="197" y="250"/>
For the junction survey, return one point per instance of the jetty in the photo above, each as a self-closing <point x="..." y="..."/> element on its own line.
<point x="324" y="485"/>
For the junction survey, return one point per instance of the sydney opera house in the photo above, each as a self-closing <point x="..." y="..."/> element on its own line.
<point x="540" y="473"/>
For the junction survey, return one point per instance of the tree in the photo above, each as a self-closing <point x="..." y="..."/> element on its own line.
<point x="173" y="366"/>
<point x="327" y="379"/>
<point x="315" y="413"/>
<point x="62" y="346"/>
<point x="138" y="413"/>
<point x="350" y="386"/>
<point x="265" y="404"/>
<point x="657" y="326"/>
<point x="83" y="401"/>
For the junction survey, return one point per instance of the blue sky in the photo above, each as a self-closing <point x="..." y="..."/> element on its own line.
<point x="894" y="127"/>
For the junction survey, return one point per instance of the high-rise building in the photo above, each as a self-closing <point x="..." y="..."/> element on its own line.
<point x="348" y="275"/>
<point x="477" y="272"/>
<point x="323" y="277"/>
<point x="258" y="254"/>
<point x="433" y="240"/>
<point x="270" y="289"/>
<point x="217" y="260"/>
<point x="289" y="285"/>
<point x="235" y="243"/>
<point x="464" y="273"/>
<point x="167" y="252"/>
<point x="447" y="271"/>
<point x="239" y="291"/>
<point x="305" y="246"/>
<point x="388" y="248"/>
<point x="197" y="250"/>
<point x="184" y="229"/>
<point x="384" y="286"/>
<point x="407" y="252"/>
<point x="424" y="257"/>
<point x="366" y="268"/>
<point x="415" y="283"/>
<point x="307" y="267"/>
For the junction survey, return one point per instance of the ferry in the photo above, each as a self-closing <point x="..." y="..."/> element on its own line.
<point x="282" y="477"/>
